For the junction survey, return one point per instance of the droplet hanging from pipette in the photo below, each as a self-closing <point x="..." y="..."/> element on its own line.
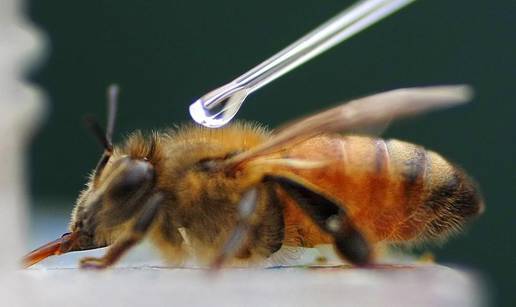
<point x="214" y="115"/>
<point x="218" y="107"/>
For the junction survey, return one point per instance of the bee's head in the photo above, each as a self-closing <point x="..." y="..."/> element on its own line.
<point x="113" y="197"/>
<point x="119" y="185"/>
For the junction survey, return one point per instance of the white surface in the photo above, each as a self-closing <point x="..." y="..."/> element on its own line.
<point x="142" y="280"/>
<point x="153" y="286"/>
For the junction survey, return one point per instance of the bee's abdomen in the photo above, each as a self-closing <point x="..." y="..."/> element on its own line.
<point x="386" y="182"/>
<point x="438" y="196"/>
<point x="395" y="191"/>
<point x="451" y="203"/>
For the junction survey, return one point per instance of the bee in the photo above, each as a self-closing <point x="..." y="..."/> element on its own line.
<point x="240" y="193"/>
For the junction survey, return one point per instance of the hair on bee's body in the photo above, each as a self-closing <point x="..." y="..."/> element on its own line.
<point x="200" y="203"/>
<point x="240" y="193"/>
<point x="395" y="192"/>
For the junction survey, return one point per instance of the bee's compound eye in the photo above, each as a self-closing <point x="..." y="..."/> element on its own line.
<point x="138" y="172"/>
<point x="137" y="175"/>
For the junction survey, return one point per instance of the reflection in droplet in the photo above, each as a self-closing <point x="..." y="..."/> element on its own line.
<point x="222" y="109"/>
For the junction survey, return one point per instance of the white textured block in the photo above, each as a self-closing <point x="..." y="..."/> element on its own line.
<point x="20" y="110"/>
<point x="422" y="286"/>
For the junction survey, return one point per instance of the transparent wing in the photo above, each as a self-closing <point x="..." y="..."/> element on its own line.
<point x="376" y="129"/>
<point x="362" y="113"/>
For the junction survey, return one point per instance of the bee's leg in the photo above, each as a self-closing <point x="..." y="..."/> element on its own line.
<point x="135" y="235"/>
<point x="330" y="217"/>
<point x="246" y="208"/>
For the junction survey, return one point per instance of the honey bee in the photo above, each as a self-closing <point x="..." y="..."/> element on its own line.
<point x="240" y="193"/>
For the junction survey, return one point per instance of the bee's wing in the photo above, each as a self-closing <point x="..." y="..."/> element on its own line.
<point x="372" y="129"/>
<point x="376" y="129"/>
<point x="361" y="113"/>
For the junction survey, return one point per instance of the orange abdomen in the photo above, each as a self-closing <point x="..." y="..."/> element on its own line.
<point x="394" y="191"/>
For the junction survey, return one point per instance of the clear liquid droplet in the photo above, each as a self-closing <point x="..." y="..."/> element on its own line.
<point x="222" y="109"/>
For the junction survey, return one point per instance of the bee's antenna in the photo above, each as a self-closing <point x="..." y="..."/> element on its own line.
<point x="93" y="125"/>
<point x="105" y="138"/>
<point x="112" y="98"/>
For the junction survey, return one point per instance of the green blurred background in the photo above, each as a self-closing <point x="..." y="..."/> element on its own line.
<point x="165" y="54"/>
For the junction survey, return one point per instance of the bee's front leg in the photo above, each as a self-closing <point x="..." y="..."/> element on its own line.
<point x="115" y="252"/>
<point x="135" y="235"/>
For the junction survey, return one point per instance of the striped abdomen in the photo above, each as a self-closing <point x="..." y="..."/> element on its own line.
<point x="394" y="191"/>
